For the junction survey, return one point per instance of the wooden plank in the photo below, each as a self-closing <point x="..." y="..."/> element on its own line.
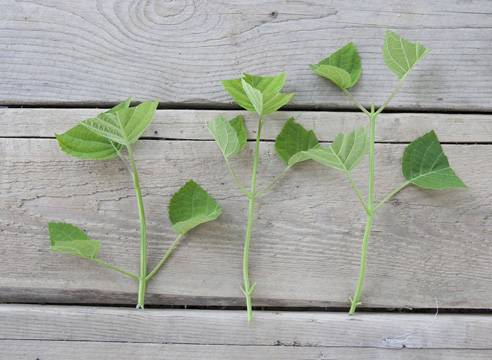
<point x="62" y="350"/>
<point x="268" y="329"/>
<point x="192" y="124"/>
<point x="426" y="246"/>
<point x="76" y="52"/>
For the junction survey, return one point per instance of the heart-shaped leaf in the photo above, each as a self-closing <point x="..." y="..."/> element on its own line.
<point x="424" y="164"/>
<point x="400" y="55"/>
<point x="260" y="94"/>
<point x="190" y="207"/>
<point x="292" y="140"/>
<point x="82" y="143"/>
<point x="230" y="136"/>
<point x="344" y="154"/>
<point x="69" y="239"/>
<point x="343" y="67"/>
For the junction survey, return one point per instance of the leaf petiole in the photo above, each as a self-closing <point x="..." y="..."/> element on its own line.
<point x="356" y="102"/>
<point x="237" y="181"/>
<point x="357" y="191"/>
<point x="166" y="256"/>
<point x="115" y="268"/>
<point x="274" y="182"/>
<point x="391" y="194"/>
<point x="395" y="91"/>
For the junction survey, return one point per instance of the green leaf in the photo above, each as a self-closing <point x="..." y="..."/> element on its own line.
<point x="69" y="239"/>
<point x="190" y="207"/>
<point x="230" y="136"/>
<point x="294" y="139"/>
<point x="344" y="154"/>
<point x="254" y="95"/>
<point x="85" y="144"/>
<point x="124" y="126"/>
<point x="400" y="55"/>
<point x="260" y="94"/>
<point x="424" y="164"/>
<point x="343" y="67"/>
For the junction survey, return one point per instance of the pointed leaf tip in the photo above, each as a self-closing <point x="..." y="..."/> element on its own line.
<point x="191" y="206"/>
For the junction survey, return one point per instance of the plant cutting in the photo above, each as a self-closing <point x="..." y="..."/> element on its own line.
<point x="105" y="137"/>
<point x="260" y="95"/>
<point x="424" y="163"/>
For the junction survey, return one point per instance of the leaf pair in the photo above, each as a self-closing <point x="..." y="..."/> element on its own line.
<point x="188" y="208"/>
<point x="101" y="138"/>
<point x="343" y="67"/>
<point x="260" y="94"/>
<point x="424" y="163"/>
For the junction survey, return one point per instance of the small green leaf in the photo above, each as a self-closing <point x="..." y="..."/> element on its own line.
<point x="400" y="55"/>
<point x="424" y="164"/>
<point x="230" y="136"/>
<point x="260" y="94"/>
<point x="190" y="207"/>
<point x="344" y="154"/>
<point x="85" y="144"/>
<point x="138" y="119"/>
<point x="343" y="67"/>
<point x="254" y="95"/>
<point x="292" y="140"/>
<point x="125" y="125"/>
<point x="69" y="239"/>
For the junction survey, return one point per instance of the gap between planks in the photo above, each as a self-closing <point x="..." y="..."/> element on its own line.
<point x="192" y="124"/>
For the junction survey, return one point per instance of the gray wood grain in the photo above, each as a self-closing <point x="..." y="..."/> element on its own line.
<point x="192" y="124"/>
<point x="268" y="329"/>
<point x="427" y="247"/>
<point x="62" y="350"/>
<point x="90" y="52"/>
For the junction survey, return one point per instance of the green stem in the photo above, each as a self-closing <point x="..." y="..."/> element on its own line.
<point x="115" y="268"/>
<point x="142" y="283"/>
<point x="167" y="254"/>
<point x="355" y="301"/>
<point x="247" y="288"/>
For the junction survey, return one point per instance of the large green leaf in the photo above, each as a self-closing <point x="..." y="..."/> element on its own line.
<point x="424" y="164"/>
<point x="124" y="126"/>
<point x="85" y="144"/>
<point x="292" y="140"/>
<point x="69" y="239"/>
<point x="400" y="55"/>
<point x="343" y="154"/>
<point x="230" y="136"/>
<point x="190" y="207"/>
<point x="260" y="94"/>
<point x="343" y="67"/>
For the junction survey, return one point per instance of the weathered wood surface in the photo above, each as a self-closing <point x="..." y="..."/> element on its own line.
<point x="80" y="350"/>
<point x="426" y="246"/>
<point x="104" y="51"/>
<point x="277" y="332"/>
<point x="192" y="124"/>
